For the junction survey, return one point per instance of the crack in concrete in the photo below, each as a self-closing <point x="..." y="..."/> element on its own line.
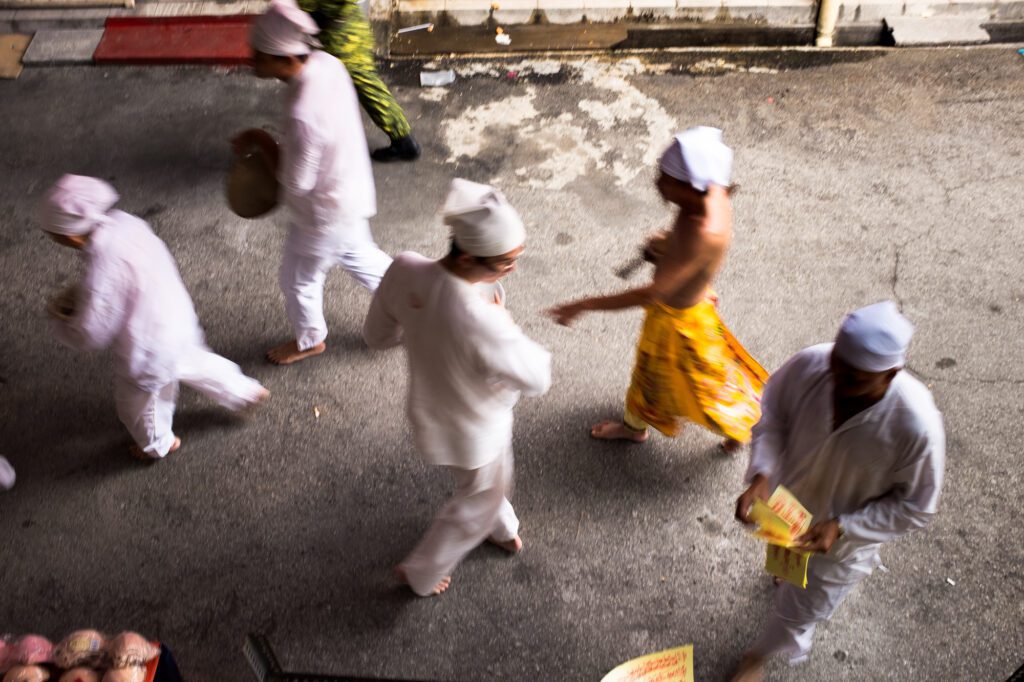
<point x="896" y="277"/>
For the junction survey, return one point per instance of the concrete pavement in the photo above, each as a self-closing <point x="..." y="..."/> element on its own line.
<point x="864" y="175"/>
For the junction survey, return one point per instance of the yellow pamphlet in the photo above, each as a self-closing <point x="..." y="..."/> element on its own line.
<point x="780" y="521"/>
<point x="670" y="665"/>
<point x="790" y="510"/>
<point x="787" y="564"/>
<point x="770" y="527"/>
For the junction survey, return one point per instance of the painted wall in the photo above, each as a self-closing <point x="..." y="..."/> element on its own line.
<point x="510" y="12"/>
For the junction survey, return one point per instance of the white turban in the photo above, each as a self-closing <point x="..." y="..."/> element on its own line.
<point x="483" y="223"/>
<point x="76" y="204"/>
<point x="875" y="338"/>
<point x="284" y="30"/>
<point x="699" y="157"/>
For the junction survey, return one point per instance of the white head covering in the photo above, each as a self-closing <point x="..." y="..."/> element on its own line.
<point x="699" y="157"/>
<point x="875" y="338"/>
<point x="76" y="204"/>
<point x="284" y="30"/>
<point x="483" y="223"/>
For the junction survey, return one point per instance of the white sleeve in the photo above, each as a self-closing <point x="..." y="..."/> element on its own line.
<point x="914" y="497"/>
<point x="300" y="158"/>
<point x="101" y="309"/>
<point x="769" y="434"/>
<point x="509" y="357"/>
<point x="381" y="328"/>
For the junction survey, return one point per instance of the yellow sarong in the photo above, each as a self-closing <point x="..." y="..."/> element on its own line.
<point x="690" y="366"/>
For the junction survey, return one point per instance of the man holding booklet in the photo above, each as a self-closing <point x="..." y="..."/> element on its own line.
<point x="860" y="444"/>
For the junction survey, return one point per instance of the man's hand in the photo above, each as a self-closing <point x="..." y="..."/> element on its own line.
<point x="62" y="306"/>
<point x="758" y="490"/>
<point x="567" y="312"/>
<point x="656" y="246"/>
<point x="819" y="537"/>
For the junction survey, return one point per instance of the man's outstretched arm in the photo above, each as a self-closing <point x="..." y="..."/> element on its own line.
<point x="674" y="271"/>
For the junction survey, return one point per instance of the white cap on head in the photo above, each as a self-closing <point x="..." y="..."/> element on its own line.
<point x="483" y="223"/>
<point x="284" y="30"/>
<point x="875" y="338"/>
<point x="75" y="204"/>
<point x="699" y="157"/>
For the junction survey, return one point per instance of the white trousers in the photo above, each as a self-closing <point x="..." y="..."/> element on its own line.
<point x="478" y="509"/>
<point x="148" y="414"/>
<point x="796" y="612"/>
<point x="303" y="275"/>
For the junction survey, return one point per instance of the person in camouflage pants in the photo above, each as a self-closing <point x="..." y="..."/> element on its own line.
<point x="345" y="33"/>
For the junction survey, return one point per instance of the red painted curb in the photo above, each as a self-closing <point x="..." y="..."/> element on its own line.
<point x="175" y="40"/>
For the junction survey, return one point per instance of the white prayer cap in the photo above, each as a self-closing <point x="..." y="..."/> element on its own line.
<point x="483" y="223"/>
<point x="875" y="338"/>
<point x="699" y="157"/>
<point x="75" y="204"/>
<point x="284" y="30"/>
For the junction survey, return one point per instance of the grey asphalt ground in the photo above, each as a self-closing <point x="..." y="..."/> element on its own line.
<point x="865" y="175"/>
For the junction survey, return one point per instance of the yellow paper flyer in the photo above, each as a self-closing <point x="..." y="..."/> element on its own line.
<point x="780" y="522"/>
<point x="790" y="510"/>
<point x="770" y="526"/>
<point x="787" y="564"/>
<point x="670" y="665"/>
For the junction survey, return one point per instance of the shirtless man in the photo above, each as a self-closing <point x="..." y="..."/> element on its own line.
<point x="688" y="364"/>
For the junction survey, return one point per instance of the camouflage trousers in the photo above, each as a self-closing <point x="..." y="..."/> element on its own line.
<point x="350" y="39"/>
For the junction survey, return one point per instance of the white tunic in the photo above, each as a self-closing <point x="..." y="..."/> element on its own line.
<point x="468" y="361"/>
<point x="880" y="473"/>
<point x="324" y="170"/>
<point x="132" y="298"/>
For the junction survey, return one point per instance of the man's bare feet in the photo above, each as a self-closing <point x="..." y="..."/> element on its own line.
<point x="402" y="577"/>
<point x="513" y="546"/>
<point x="750" y="669"/>
<point x="139" y="454"/>
<point x="730" y="446"/>
<point x="289" y="352"/>
<point x="247" y="410"/>
<point x="616" y="430"/>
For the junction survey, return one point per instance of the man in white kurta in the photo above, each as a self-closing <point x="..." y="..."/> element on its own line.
<point x="132" y="299"/>
<point x="468" y="365"/>
<point x="323" y="170"/>
<point x="861" y="444"/>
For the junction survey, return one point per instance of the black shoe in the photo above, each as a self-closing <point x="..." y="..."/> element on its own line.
<point x="403" y="149"/>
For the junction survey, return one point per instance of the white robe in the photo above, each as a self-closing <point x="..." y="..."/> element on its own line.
<point x="328" y="190"/>
<point x="468" y="361"/>
<point x="324" y="171"/>
<point x="468" y="365"/>
<point x="132" y="299"/>
<point x="879" y="474"/>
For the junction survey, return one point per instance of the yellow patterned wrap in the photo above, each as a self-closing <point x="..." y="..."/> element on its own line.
<point x="690" y="366"/>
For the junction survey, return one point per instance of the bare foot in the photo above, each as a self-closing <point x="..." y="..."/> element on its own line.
<point x="513" y="546"/>
<point x="615" y="430"/>
<point x="289" y="352"/>
<point x="750" y="669"/>
<point x="730" y="446"/>
<point x="246" y="410"/>
<point x="441" y="586"/>
<point x="139" y="454"/>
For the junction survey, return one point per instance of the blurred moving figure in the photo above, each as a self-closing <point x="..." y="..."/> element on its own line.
<point x="133" y="300"/>
<point x="468" y="365"/>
